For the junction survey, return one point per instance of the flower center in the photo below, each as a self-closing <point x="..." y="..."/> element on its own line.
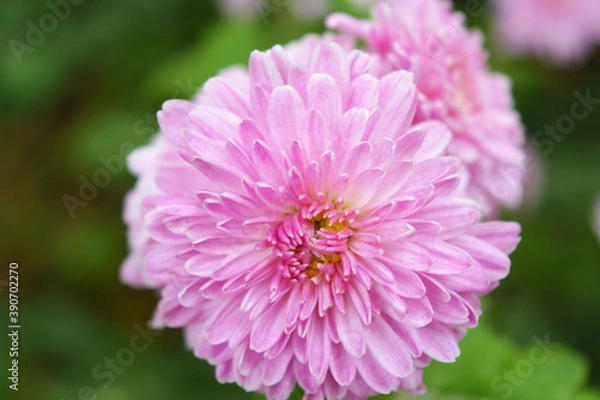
<point x="311" y="241"/>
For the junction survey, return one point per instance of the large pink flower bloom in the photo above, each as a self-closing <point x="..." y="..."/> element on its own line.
<point x="455" y="86"/>
<point x="308" y="233"/>
<point x="563" y="31"/>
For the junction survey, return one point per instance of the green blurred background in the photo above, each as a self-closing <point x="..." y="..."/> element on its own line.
<point x="89" y="89"/>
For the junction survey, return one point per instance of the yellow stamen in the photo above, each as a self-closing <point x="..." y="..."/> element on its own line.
<point x="313" y="270"/>
<point x="320" y="222"/>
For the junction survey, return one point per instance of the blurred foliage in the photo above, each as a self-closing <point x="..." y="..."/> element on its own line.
<point x="492" y="368"/>
<point x="89" y="91"/>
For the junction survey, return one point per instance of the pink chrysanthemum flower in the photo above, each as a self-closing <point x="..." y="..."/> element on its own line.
<point x="309" y="234"/>
<point x="563" y="31"/>
<point x="455" y="86"/>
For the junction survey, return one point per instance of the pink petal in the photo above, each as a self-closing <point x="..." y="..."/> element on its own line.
<point x="375" y="375"/>
<point x="223" y="94"/>
<point x="408" y="255"/>
<point x="318" y="353"/>
<point x="439" y="342"/>
<point x="329" y="58"/>
<point x="437" y="139"/>
<point x="364" y="93"/>
<point x="343" y="365"/>
<point x="324" y="95"/>
<point x="267" y="329"/>
<point x="276" y="368"/>
<point x="455" y="215"/>
<point x="350" y="331"/>
<point x="398" y="102"/>
<point x="388" y="349"/>
<point x="173" y="118"/>
<point x="263" y="71"/>
<point x="286" y="116"/>
<point x="447" y="259"/>
<point x="503" y="235"/>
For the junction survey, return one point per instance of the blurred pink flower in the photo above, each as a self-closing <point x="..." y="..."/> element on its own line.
<point x="455" y="86"/>
<point x="309" y="233"/>
<point x="563" y="31"/>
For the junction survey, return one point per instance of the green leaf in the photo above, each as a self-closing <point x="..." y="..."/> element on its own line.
<point x="588" y="395"/>
<point x="493" y="368"/>
<point x="483" y="356"/>
<point x="557" y="378"/>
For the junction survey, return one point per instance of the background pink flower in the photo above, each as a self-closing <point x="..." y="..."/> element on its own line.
<point x="563" y="31"/>
<point x="310" y="234"/>
<point x="455" y="86"/>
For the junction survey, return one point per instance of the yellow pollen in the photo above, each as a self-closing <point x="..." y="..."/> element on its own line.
<point x="320" y="222"/>
<point x="332" y="258"/>
<point x="313" y="270"/>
